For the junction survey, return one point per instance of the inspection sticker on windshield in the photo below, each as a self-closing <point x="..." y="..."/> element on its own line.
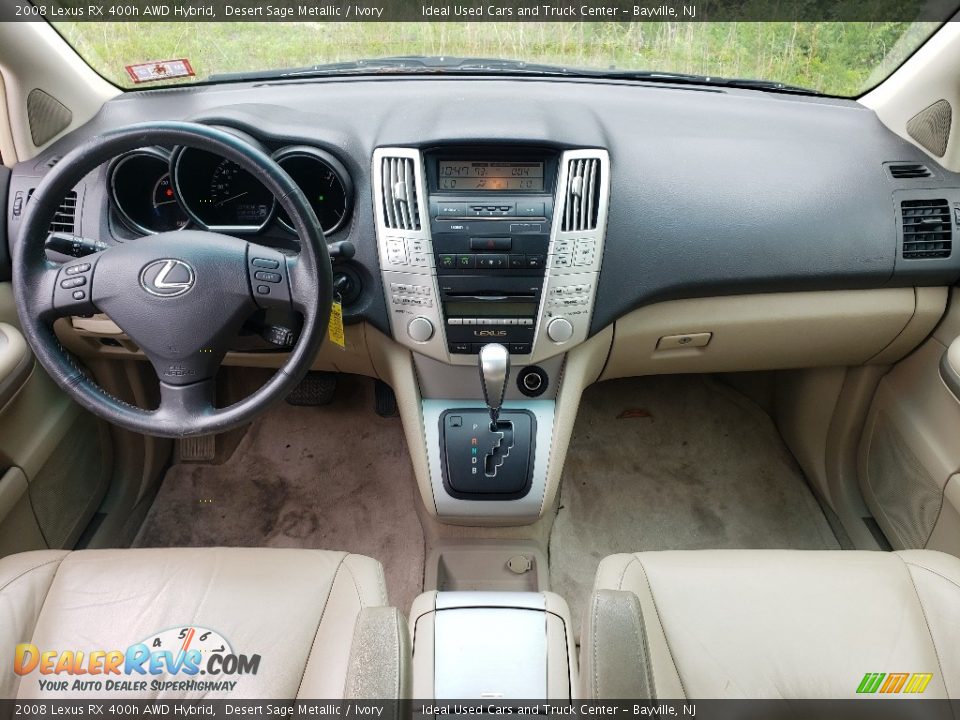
<point x="160" y="70"/>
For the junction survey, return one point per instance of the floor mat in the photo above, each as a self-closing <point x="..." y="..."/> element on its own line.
<point x="336" y="477"/>
<point x="674" y="463"/>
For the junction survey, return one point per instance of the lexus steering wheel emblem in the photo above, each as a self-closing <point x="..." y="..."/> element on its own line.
<point x="167" y="277"/>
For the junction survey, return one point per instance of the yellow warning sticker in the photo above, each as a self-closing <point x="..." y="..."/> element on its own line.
<point x="335" y="328"/>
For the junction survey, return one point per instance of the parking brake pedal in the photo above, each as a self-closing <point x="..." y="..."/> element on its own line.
<point x="201" y="448"/>
<point x="316" y="388"/>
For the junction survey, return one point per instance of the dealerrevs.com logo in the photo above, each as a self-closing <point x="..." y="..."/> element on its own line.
<point x="185" y="659"/>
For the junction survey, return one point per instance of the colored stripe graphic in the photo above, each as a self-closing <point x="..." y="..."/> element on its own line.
<point x="918" y="682"/>
<point x="870" y="683"/>
<point x="894" y="682"/>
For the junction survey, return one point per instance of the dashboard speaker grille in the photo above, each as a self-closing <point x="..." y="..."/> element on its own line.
<point x="582" y="195"/>
<point x="931" y="127"/>
<point x="47" y="116"/>
<point x="65" y="219"/>
<point x="401" y="207"/>
<point x="927" y="228"/>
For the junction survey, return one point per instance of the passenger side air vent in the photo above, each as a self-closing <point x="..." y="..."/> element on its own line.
<point x="65" y="218"/>
<point x="909" y="171"/>
<point x="927" y="228"/>
<point x="582" y="195"/>
<point x="401" y="208"/>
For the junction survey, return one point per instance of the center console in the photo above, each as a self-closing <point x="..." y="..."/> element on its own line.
<point x="490" y="244"/>
<point x="489" y="251"/>
<point x="492" y="645"/>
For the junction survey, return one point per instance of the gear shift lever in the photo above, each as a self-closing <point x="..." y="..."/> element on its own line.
<point x="494" y="372"/>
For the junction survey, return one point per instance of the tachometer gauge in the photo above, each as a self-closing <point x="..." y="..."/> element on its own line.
<point x="323" y="180"/>
<point x="143" y="194"/>
<point x="219" y="194"/>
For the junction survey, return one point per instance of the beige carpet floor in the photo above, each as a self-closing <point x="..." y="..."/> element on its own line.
<point x="673" y="463"/>
<point x="336" y="477"/>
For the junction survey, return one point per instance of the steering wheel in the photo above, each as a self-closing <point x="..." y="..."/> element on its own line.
<point x="180" y="296"/>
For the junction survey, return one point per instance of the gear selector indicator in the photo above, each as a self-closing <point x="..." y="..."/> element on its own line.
<point x="485" y="460"/>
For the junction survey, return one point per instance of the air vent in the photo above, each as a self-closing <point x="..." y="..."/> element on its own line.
<point x="582" y="196"/>
<point x="909" y="171"/>
<point x="65" y="218"/>
<point x="401" y="209"/>
<point x="927" y="228"/>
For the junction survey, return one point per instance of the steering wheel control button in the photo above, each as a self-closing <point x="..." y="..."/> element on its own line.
<point x="269" y="277"/>
<point x="79" y="295"/>
<point x="420" y="329"/>
<point x="73" y="282"/>
<point x="560" y="330"/>
<point x="265" y="263"/>
<point x="263" y="289"/>
<point x="74" y="269"/>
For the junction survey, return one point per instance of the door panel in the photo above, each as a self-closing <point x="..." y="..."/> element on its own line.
<point x="54" y="457"/>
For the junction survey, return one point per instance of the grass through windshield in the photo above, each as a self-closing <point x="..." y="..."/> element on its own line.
<point x="835" y="58"/>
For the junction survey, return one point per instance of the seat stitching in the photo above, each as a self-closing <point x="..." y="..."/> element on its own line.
<point x="593" y="628"/>
<point x="923" y="612"/>
<point x="43" y="602"/>
<point x="326" y="604"/>
<point x="666" y="641"/>
<point x="29" y="570"/>
<point x="931" y="570"/>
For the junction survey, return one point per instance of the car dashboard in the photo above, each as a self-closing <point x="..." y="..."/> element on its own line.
<point x="534" y="212"/>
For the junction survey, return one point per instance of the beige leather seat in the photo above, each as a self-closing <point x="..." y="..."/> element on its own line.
<point x="771" y="624"/>
<point x="317" y="620"/>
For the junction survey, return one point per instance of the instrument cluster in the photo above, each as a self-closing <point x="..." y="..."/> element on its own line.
<point x="156" y="190"/>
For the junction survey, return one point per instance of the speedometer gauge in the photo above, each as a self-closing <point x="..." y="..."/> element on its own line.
<point x="219" y="194"/>
<point x="323" y="180"/>
<point x="143" y="194"/>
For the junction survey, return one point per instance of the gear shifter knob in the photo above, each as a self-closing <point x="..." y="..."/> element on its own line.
<point x="494" y="372"/>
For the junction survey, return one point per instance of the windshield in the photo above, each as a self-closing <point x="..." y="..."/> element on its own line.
<point x="844" y="59"/>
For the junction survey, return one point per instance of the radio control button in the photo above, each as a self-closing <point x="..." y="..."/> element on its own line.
<point x="451" y="209"/>
<point x="519" y="348"/>
<point x="493" y="262"/>
<point x="560" y="330"/>
<point x="454" y="321"/>
<point x="518" y="262"/>
<point x="536" y="262"/>
<point x="526" y="208"/>
<point x="420" y="259"/>
<point x="420" y="329"/>
<point x="461" y="348"/>
<point x="396" y="251"/>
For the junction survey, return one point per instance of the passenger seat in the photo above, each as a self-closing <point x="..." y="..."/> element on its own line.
<point x="709" y="624"/>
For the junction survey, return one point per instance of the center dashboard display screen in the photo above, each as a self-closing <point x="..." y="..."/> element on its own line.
<point x="496" y="175"/>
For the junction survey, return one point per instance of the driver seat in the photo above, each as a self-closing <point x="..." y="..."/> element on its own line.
<point x="190" y="623"/>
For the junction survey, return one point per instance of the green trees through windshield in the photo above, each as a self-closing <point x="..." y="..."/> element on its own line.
<point x="833" y="58"/>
